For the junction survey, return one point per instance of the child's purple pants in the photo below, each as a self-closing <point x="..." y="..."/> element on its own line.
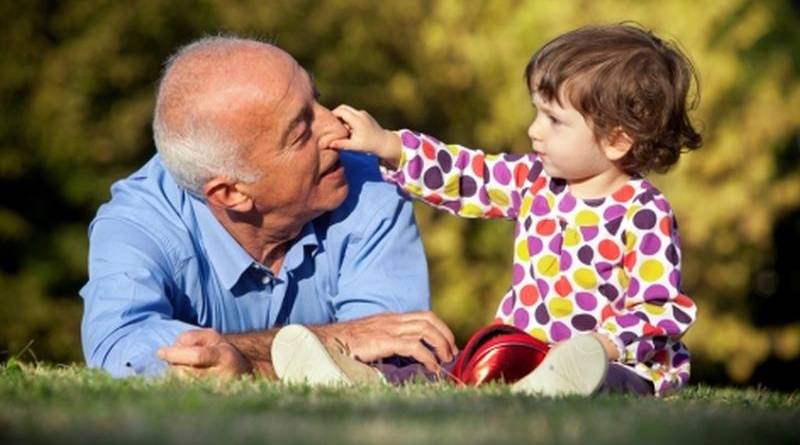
<point x="619" y="380"/>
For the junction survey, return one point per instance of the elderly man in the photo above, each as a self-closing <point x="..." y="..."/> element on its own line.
<point x="247" y="220"/>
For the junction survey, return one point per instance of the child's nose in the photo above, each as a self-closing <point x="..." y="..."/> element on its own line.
<point x="533" y="132"/>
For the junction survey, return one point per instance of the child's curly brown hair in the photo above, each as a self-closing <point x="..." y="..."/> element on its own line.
<point x="623" y="77"/>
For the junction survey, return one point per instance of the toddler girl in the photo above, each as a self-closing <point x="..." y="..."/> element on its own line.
<point x="596" y="249"/>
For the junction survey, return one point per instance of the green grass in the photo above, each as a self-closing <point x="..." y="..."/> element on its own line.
<point x="46" y="404"/>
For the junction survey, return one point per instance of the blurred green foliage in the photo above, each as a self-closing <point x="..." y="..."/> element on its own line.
<point x="77" y="88"/>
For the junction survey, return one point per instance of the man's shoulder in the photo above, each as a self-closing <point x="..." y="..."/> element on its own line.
<point x="368" y="194"/>
<point x="150" y="200"/>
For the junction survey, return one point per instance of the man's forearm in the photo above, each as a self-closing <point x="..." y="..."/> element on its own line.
<point x="256" y="347"/>
<point x="419" y="335"/>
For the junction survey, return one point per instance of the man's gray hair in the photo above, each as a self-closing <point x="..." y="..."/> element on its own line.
<point x="192" y="147"/>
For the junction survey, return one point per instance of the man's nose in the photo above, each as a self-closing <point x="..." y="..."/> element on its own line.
<point x="330" y="127"/>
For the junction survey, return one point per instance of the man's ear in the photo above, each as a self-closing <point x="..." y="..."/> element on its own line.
<point x="617" y="144"/>
<point x="222" y="192"/>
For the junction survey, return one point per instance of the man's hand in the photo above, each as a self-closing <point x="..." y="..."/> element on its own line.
<point x="419" y="335"/>
<point x="204" y="352"/>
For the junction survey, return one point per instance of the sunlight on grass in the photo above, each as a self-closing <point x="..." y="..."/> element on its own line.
<point x="41" y="403"/>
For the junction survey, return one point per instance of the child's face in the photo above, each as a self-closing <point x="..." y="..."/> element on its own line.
<point x="565" y="141"/>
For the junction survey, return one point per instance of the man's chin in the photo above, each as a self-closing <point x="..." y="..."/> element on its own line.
<point x="335" y="196"/>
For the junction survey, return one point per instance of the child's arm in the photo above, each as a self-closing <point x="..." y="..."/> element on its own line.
<point x="648" y="321"/>
<point x="458" y="180"/>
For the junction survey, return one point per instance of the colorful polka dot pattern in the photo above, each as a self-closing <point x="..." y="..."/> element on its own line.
<point x="610" y="265"/>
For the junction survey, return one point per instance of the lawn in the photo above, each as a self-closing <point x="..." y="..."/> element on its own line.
<point x="45" y="404"/>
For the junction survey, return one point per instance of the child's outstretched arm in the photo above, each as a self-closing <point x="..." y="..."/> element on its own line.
<point x="453" y="178"/>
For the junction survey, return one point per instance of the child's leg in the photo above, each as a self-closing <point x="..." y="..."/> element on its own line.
<point x="399" y="370"/>
<point x="622" y="380"/>
<point x="577" y="366"/>
<point x="619" y="379"/>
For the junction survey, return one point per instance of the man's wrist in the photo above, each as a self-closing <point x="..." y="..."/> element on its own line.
<point x="256" y="348"/>
<point x="264" y="369"/>
<point x="328" y="331"/>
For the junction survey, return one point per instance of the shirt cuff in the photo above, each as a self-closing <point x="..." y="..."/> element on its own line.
<point x="388" y="172"/>
<point x="145" y="363"/>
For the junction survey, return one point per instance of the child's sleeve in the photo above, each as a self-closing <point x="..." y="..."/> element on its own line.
<point x="462" y="181"/>
<point x="648" y="321"/>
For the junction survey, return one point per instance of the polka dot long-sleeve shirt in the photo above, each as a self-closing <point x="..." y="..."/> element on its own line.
<point x="609" y="265"/>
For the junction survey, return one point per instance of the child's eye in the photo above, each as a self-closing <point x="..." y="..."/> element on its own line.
<point x="554" y="120"/>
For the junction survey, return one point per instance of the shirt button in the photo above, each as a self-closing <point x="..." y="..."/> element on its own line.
<point x="265" y="279"/>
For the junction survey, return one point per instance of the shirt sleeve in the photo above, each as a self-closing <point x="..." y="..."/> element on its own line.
<point x="463" y="181"/>
<point x="127" y="310"/>
<point x="653" y="314"/>
<point x="384" y="267"/>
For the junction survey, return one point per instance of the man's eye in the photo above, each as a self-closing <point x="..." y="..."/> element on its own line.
<point x="304" y="136"/>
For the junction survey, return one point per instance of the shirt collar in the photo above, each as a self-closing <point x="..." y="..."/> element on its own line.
<point x="229" y="259"/>
<point x="308" y="237"/>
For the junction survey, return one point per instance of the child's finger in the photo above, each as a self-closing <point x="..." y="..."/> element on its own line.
<point x="346" y="125"/>
<point x="346" y="113"/>
<point x="344" y="107"/>
<point x="340" y="143"/>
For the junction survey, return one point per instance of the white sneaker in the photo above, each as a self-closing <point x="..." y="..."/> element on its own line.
<point x="574" y="367"/>
<point x="299" y="356"/>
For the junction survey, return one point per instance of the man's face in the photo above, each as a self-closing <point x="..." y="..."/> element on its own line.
<point x="301" y="177"/>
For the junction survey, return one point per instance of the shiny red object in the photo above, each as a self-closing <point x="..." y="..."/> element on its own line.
<point x="498" y="352"/>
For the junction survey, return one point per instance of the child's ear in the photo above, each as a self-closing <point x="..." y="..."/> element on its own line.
<point x="617" y="144"/>
<point x="222" y="192"/>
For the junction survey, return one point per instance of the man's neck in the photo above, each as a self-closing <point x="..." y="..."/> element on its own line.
<point x="266" y="239"/>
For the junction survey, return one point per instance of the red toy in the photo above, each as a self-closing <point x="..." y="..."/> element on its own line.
<point x="498" y="352"/>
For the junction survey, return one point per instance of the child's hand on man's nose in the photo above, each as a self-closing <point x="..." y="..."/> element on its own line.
<point x="367" y="135"/>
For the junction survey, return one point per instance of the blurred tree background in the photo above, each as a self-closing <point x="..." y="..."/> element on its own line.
<point x="77" y="85"/>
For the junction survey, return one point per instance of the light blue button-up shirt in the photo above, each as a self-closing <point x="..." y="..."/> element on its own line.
<point x="160" y="263"/>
